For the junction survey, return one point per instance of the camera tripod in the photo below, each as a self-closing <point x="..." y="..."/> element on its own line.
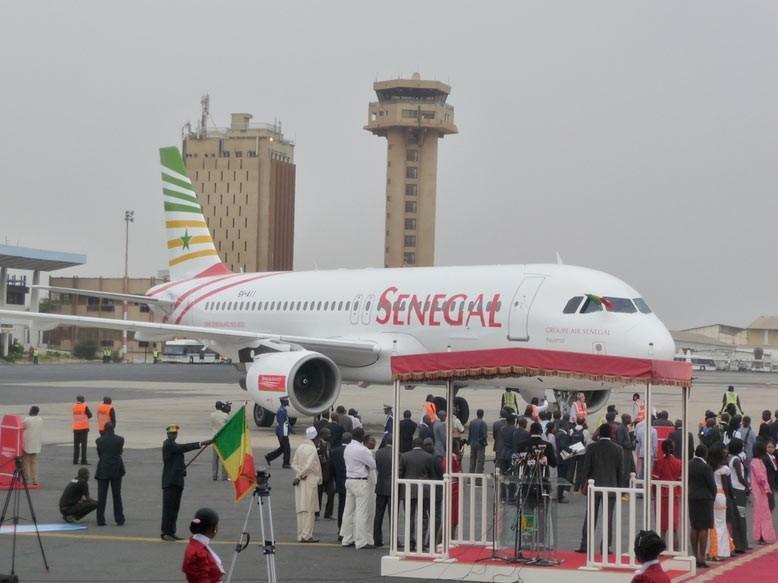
<point x="262" y="496"/>
<point x="14" y="492"/>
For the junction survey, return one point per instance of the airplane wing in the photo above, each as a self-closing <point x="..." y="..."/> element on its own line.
<point x="132" y="298"/>
<point x="238" y="338"/>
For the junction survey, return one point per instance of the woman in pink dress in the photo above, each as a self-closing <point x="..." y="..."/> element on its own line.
<point x="762" y="521"/>
<point x="668" y="469"/>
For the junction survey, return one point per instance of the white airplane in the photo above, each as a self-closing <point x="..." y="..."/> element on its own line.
<point x="301" y="334"/>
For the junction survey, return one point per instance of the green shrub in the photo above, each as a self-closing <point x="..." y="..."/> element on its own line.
<point x="85" y="349"/>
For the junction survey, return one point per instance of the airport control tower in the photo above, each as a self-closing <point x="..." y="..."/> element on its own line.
<point x="412" y="115"/>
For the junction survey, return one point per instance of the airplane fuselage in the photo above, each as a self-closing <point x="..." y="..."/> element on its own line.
<point x="406" y="311"/>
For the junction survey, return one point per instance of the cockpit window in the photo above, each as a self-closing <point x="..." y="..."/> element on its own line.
<point x="642" y="305"/>
<point x="621" y="305"/>
<point x="572" y="305"/>
<point x="590" y="306"/>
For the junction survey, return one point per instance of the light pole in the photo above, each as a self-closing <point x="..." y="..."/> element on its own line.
<point x="129" y="217"/>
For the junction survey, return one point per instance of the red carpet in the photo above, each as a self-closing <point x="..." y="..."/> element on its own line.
<point x="761" y="564"/>
<point x="570" y="559"/>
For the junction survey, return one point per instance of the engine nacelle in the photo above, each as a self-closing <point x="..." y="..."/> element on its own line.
<point x="310" y="380"/>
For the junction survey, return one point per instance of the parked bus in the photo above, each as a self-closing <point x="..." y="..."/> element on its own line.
<point x="188" y="351"/>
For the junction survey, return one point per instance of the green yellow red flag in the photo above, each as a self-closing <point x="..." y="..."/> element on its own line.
<point x="233" y="444"/>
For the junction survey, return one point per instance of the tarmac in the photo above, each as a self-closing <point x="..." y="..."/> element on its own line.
<point x="148" y="397"/>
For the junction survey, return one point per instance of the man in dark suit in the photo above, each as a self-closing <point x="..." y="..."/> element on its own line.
<point x="407" y="429"/>
<point x="417" y="464"/>
<point x="702" y="492"/>
<point x="338" y="467"/>
<point x="425" y="429"/>
<point x="603" y="463"/>
<point x="173" y="472"/>
<point x="521" y="434"/>
<point x="336" y="431"/>
<point x="383" y="489"/>
<point x="676" y="437"/>
<point x="497" y="435"/>
<point x="110" y="469"/>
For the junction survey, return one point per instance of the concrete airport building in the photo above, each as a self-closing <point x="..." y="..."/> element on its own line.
<point x="412" y="114"/>
<point x="66" y="337"/>
<point x="244" y="176"/>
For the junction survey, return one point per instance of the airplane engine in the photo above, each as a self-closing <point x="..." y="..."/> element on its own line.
<point x="311" y="380"/>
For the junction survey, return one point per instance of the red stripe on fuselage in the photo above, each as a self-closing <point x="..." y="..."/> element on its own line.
<point x="188" y="293"/>
<point x="217" y="290"/>
<point x="179" y="282"/>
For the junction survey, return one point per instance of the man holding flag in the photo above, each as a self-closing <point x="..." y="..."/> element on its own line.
<point x="233" y="445"/>
<point x="173" y="472"/>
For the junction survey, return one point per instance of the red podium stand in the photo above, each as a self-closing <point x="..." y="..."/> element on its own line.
<point x="11" y="442"/>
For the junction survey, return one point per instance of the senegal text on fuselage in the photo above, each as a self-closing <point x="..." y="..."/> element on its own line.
<point x="404" y="309"/>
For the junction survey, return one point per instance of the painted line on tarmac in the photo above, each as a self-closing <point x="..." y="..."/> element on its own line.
<point x="150" y="539"/>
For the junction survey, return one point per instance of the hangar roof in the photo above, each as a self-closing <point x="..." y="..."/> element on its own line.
<point x="14" y="257"/>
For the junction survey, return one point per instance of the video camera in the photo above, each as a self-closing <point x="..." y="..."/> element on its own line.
<point x="263" y="480"/>
<point x="226" y="407"/>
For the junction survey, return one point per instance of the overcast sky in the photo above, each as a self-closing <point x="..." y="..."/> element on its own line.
<point x="636" y="138"/>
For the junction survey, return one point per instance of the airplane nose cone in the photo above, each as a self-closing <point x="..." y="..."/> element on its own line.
<point x="652" y="341"/>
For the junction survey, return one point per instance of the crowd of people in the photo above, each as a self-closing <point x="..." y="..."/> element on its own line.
<point x="733" y="463"/>
<point x="343" y="473"/>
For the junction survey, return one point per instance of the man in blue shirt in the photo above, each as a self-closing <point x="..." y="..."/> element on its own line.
<point x="283" y="429"/>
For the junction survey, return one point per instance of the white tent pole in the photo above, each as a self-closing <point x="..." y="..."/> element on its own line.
<point x="684" y="518"/>
<point x="647" y="453"/>
<point x="395" y="471"/>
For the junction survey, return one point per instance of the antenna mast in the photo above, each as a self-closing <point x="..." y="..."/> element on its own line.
<point x="202" y="127"/>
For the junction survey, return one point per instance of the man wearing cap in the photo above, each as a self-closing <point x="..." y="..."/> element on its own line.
<point x="173" y="472"/>
<point x="283" y="429"/>
<point x="307" y="476"/>
<point x="218" y="418"/>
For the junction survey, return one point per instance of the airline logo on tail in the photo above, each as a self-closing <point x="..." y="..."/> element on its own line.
<point x="191" y="251"/>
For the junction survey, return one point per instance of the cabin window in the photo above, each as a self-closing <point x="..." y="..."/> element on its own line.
<point x="572" y="305"/>
<point x="590" y="306"/>
<point x="642" y="305"/>
<point x="621" y="305"/>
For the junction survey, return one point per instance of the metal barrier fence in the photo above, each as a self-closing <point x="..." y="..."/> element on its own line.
<point x="422" y="503"/>
<point x="472" y="502"/>
<point x="671" y="489"/>
<point x="604" y="497"/>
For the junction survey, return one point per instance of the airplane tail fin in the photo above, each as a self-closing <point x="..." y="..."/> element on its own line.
<point x="191" y="251"/>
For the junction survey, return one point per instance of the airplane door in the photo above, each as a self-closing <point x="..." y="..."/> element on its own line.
<point x="369" y="300"/>
<point x="518" y="325"/>
<point x="355" y="309"/>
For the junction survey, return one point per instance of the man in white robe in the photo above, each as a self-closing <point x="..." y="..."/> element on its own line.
<point x="307" y="471"/>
